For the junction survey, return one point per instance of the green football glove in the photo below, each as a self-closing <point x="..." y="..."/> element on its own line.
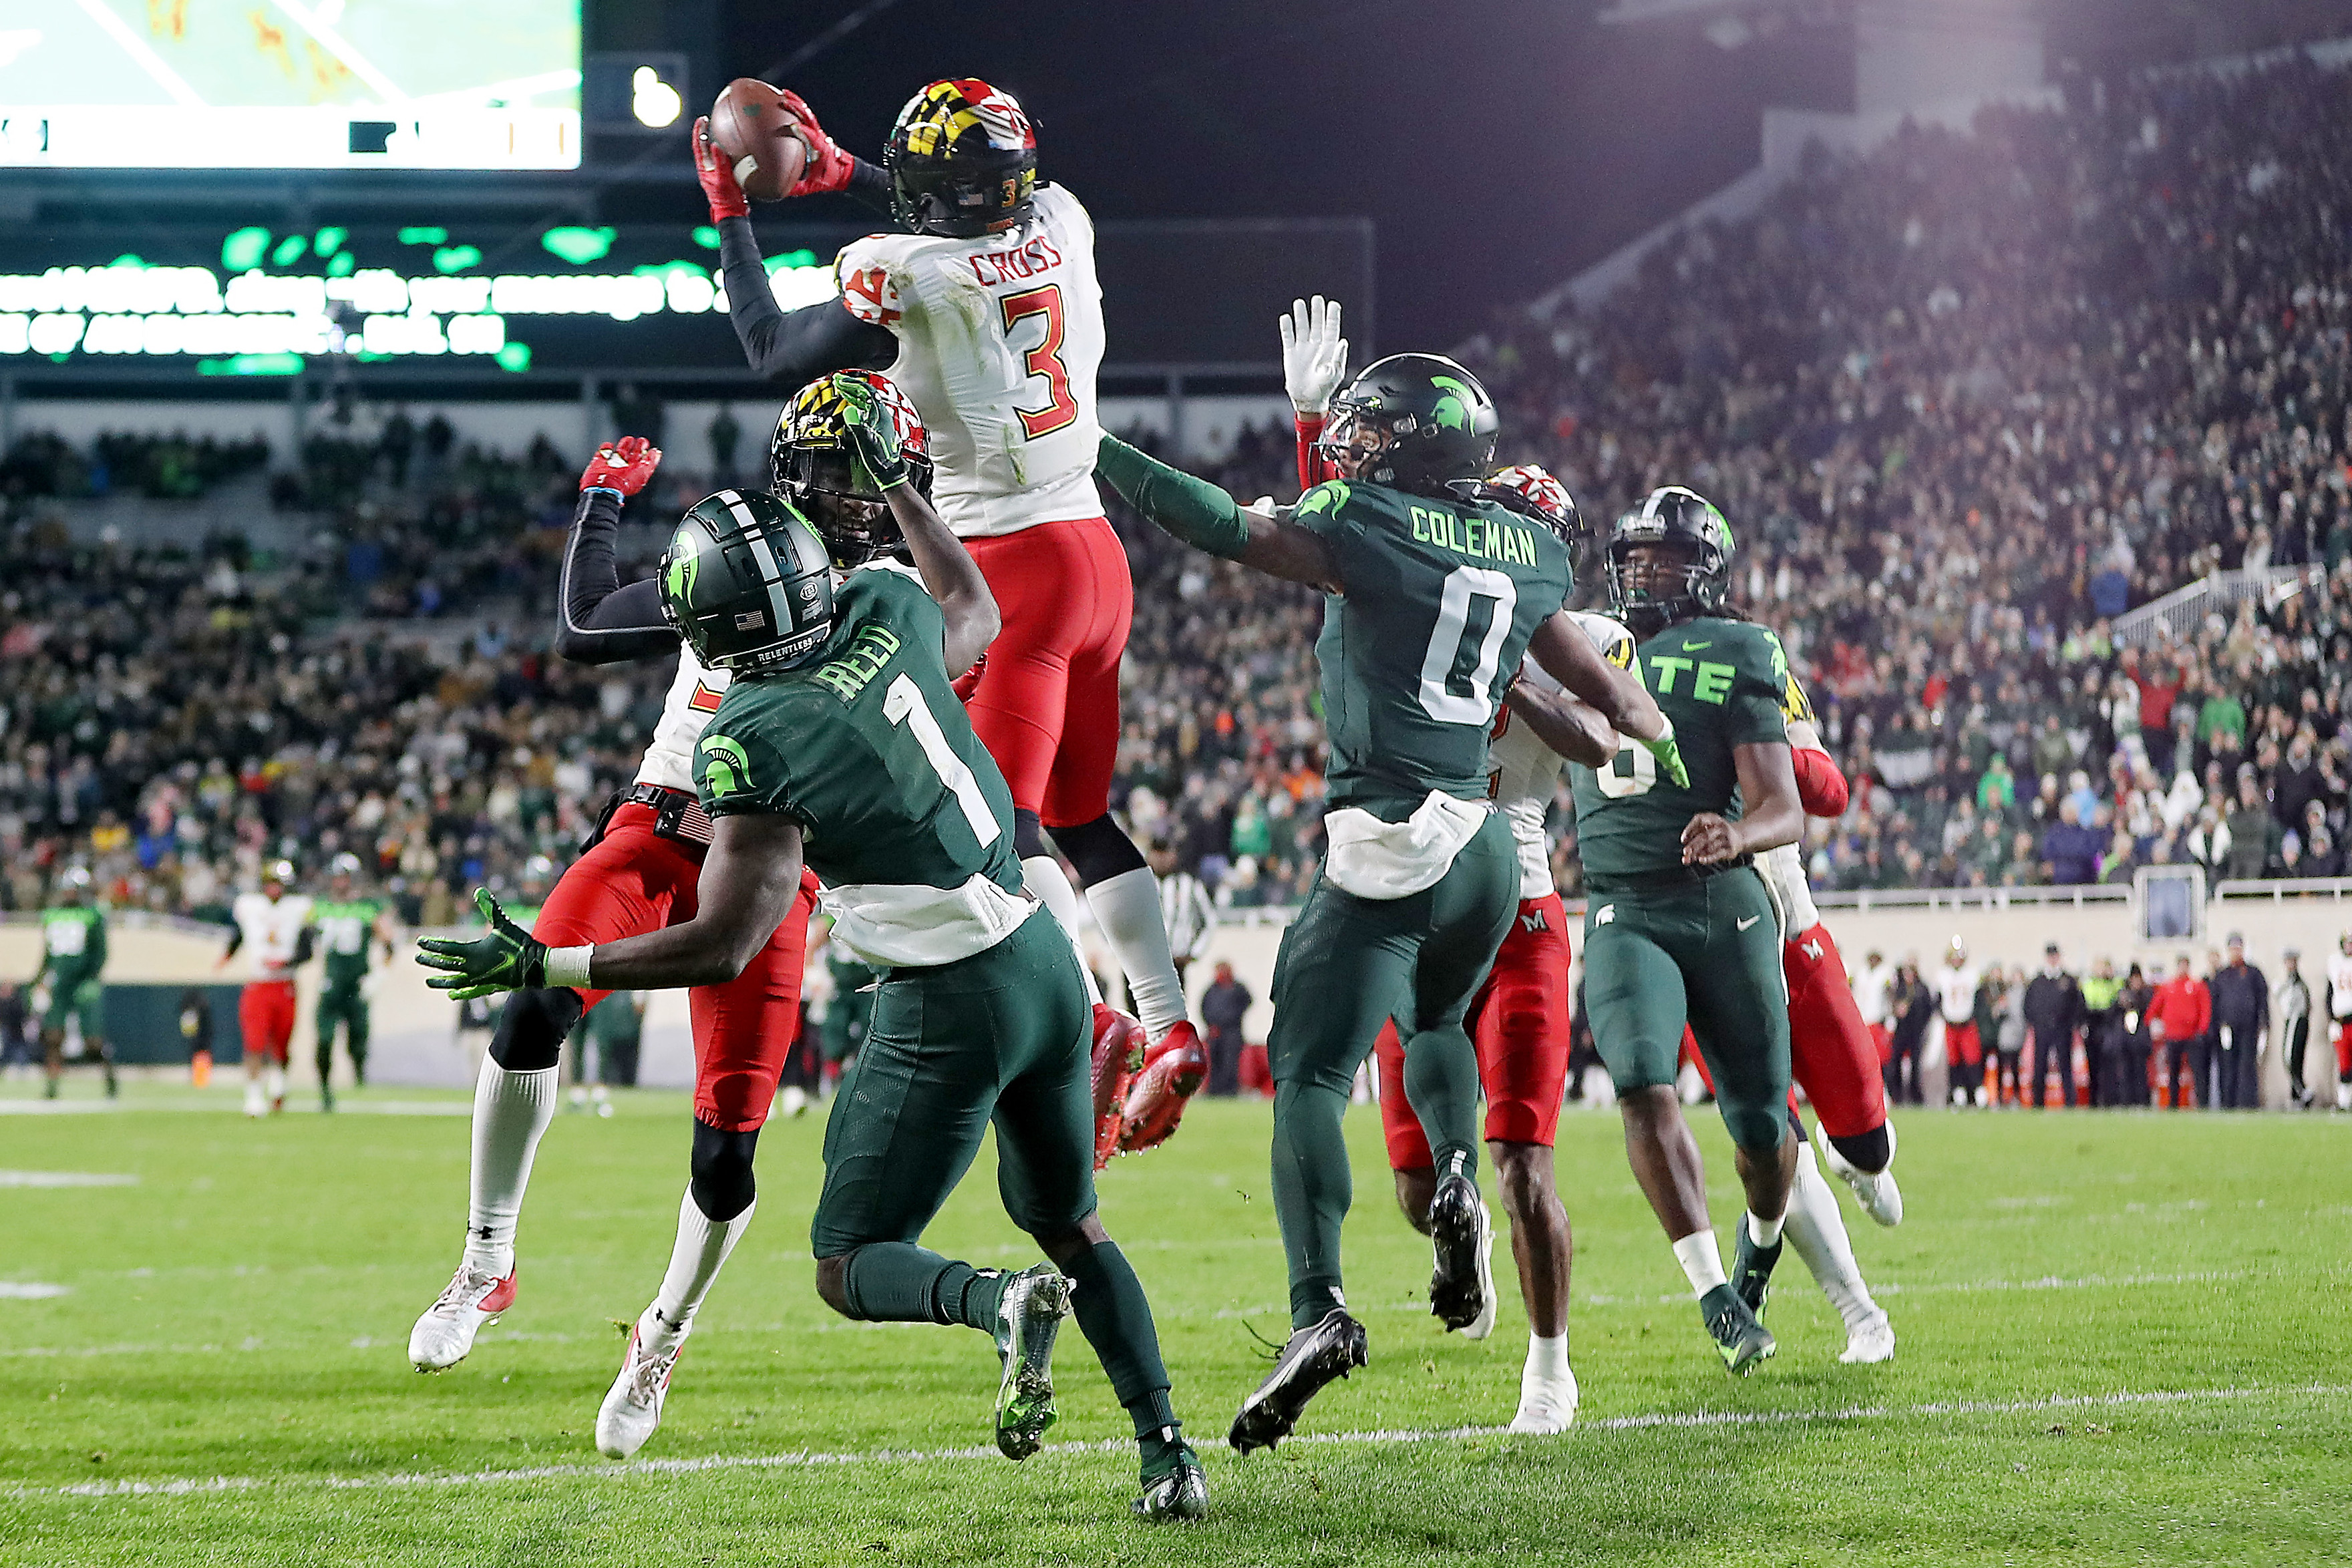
<point x="871" y="434"/>
<point x="1669" y="756"/>
<point x="506" y="958"/>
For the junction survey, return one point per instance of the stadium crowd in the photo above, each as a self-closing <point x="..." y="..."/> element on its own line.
<point x="1968" y="400"/>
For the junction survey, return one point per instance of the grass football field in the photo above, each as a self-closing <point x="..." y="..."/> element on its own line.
<point x="2124" y="1338"/>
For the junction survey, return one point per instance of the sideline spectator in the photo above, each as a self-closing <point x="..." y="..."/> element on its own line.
<point x="2131" y="1039"/>
<point x="2241" y="1020"/>
<point x="1223" y="1007"/>
<point x="2291" y="1005"/>
<point x="2102" y="1017"/>
<point x="1913" y="1008"/>
<point x="2053" y="1016"/>
<point x="2178" y="1017"/>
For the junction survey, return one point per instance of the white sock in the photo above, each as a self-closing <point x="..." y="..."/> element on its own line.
<point x="1702" y="1261"/>
<point x="1765" y="1233"/>
<point x="254" y="1102"/>
<point x="702" y="1252"/>
<point x="1042" y="875"/>
<point x="273" y="1081"/>
<point x="511" y="1113"/>
<point x="1547" y="1361"/>
<point x="1817" y="1230"/>
<point x="1126" y="907"/>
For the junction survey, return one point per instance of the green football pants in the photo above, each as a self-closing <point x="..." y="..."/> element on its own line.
<point x="1347" y="965"/>
<point x="1003" y="1036"/>
<point x="1709" y="954"/>
<point x="346" y="1005"/>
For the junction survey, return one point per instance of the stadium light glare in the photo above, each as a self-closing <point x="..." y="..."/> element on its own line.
<point x="654" y="101"/>
<point x="246" y="247"/>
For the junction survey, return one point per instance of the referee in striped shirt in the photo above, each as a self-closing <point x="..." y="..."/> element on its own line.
<point x="1184" y="907"/>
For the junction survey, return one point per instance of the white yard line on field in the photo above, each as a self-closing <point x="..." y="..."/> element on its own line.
<point x="30" y="1291"/>
<point x="810" y="1460"/>
<point x="65" y="1179"/>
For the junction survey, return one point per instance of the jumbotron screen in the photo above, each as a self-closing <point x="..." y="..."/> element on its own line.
<point x="290" y="84"/>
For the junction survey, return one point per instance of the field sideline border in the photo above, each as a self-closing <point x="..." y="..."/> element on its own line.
<point x="811" y="1459"/>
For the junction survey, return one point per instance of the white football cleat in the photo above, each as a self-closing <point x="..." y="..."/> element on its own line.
<point x="444" y="1336"/>
<point x="255" y="1105"/>
<point x="1879" y="1197"/>
<point x="1546" y="1405"/>
<point x="633" y="1406"/>
<point x="1869" y="1343"/>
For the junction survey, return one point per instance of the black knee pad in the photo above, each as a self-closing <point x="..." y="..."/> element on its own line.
<point x="1867" y="1151"/>
<point x="1099" y="850"/>
<point x="531" y="1027"/>
<point x="721" y="1167"/>
<point x="1028" y="835"/>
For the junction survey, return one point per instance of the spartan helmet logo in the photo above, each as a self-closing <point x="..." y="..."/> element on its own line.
<point x="685" y="562"/>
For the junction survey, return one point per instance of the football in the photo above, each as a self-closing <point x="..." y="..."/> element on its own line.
<point x="753" y="126"/>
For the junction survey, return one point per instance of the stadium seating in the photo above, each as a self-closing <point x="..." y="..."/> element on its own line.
<point x="1963" y="398"/>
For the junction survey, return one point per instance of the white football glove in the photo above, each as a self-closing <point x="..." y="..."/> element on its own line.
<point x="1314" y="355"/>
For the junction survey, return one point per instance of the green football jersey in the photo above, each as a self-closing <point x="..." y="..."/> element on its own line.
<point x="344" y="931"/>
<point x="867" y="749"/>
<point x="1441" y="597"/>
<point x="1723" y="684"/>
<point x="73" y="939"/>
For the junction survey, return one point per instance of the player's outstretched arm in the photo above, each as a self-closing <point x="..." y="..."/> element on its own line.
<point x="1774" y="816"/>
<point x="604" y="620"/>
<point x="1561" y="646"/>
<point x="749" y="878"/>
<point x="953" y="578"/>
<point x="1574" y="729"/>
<point x="798" y="345"/>
<point x="1314" y="361"/>
<point x="1205" y="517"/>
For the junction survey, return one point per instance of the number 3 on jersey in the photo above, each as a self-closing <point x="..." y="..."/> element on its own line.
<point x="903" y="704"/>
<point x="1044" y="361"/>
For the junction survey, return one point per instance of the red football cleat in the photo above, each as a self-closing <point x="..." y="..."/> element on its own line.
<point x="1173" y="1069"/>
<point x="1118" y="1051"/>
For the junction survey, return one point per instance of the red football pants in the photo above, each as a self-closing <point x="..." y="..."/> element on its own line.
<point x="636" y="881"/>
<point x="265" y="1017"/>
<point x="1046" y="706"/>
<point x="1518" y="1021"/>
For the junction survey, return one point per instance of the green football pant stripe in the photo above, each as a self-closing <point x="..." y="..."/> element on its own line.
<point x="1709" y="954"/>
<point x="1346" y="965"/>
<point x="1001" y="1036"/>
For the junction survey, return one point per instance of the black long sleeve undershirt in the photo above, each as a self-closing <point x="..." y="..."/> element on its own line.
<point x="795" y="346"/>
<point x="605" y="620"/>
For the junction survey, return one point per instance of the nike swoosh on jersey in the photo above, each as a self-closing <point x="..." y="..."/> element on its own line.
<point x="1695" y="647"/>
<point x="1744" y="925"/>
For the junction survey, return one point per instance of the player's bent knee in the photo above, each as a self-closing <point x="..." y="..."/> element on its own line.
<point x="1757" y="1133"/>
<point x="720" y="1171"/>
<point x="833" y="1284"/>
<point x="1523" y="1173"/>
<point x="531" y="1027"/>
<point x="1063" y="1242"/>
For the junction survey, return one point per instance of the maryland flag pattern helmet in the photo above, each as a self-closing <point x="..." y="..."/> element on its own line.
<point x="811" y="461"/>
<point x="1671" y="515"/>
<point x="962" y="160"/>
<point x="1530" y="489"/>
<point x="747" y="583"/>
<point x="1437" y="424"/>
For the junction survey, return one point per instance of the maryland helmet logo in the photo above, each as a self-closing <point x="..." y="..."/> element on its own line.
<point x="1546" y="494"/>
<point x="964" y="114"/>
<point x="817" y="419"/>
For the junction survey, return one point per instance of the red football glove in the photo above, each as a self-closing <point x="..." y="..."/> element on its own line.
<point x="828" y="167"/>
<point x="625" y="466"/>
<point x="710" y="167"/>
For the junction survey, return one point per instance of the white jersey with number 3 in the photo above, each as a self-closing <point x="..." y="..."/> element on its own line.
<point x="1522" y="773"/>
<point x="1000" y="338"/>
<point x="694" y="694"/>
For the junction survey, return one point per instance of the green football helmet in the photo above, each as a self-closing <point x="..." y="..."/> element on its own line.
<point x="1680" y="519"/>
<point x="1418" y="421"/>
<point x="748" y="583"/>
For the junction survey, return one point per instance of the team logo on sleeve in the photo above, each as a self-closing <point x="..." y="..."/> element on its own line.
<point x="725" y="769"/>
<point x="1326" y="498"/>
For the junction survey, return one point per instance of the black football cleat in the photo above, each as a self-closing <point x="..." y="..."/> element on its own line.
<point x="1461" y="1238"/>
<point x="1739" y="1339"/>
<point x="1330" y="1347"/>
<point x="1752" y="1268"/>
